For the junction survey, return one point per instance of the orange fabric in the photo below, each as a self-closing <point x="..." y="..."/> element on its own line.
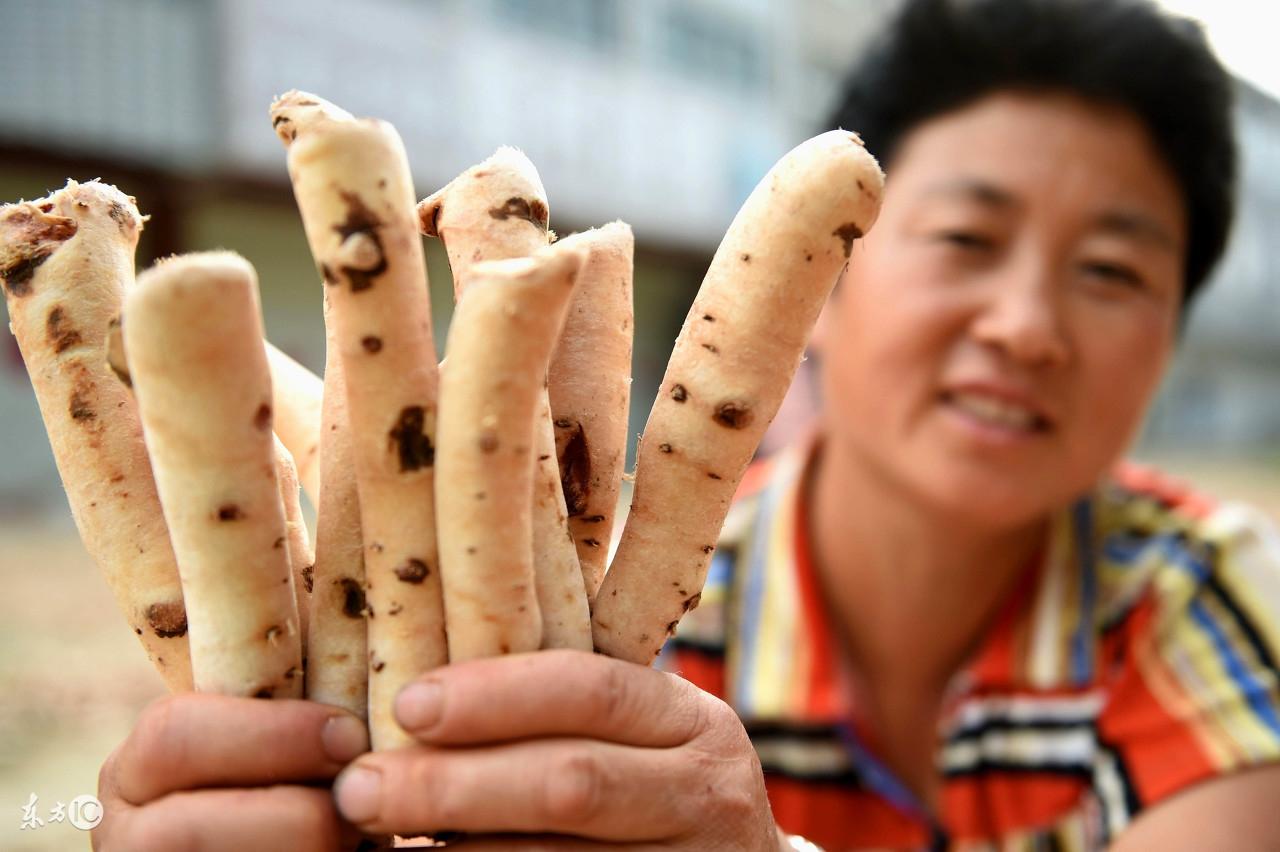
<point x="994" y="803"/>
<point x="1160" y="751"/>
<point x="705" y="671"/>
<point x="837" y="818"/>
<point x="1069" y="717"/>
<point x="826" y="697"/>
<point x="1168" y="489"/>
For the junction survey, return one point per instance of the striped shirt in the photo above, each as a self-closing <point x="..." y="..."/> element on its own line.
<point x="1138" y="656"/>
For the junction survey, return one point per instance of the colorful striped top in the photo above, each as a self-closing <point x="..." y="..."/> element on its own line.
<point x="1138" y="657"/>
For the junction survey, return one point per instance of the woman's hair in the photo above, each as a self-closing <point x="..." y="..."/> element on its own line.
<point x="940" y="55"/>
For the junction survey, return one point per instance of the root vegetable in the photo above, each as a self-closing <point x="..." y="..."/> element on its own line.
<point x="337" y="671"/>
<point x="589" y="384"/>
<point x="301" y="558"/>
<point x="497" y="210"/>
<point x="193" y="332"/>
<point x="736" y="354"/>
<point x="488" y="402"/>
<point x="557" y="573"/>
<point x="296" y="402"/>
<point x="295" y="112"/>
<point x="352" y="183"/>
<point x="295" y="406"/>
<point x="297" y="541"/>
<point x="65" y="262"/>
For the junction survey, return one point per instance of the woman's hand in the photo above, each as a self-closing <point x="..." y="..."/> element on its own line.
<point x="209" y="772"/>
<point x="568" y="751"/>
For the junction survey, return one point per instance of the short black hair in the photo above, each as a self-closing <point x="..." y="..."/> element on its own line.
<point x="940" y="55"/>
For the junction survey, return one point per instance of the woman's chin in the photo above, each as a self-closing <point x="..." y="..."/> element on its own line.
<point x="995" y="501"/>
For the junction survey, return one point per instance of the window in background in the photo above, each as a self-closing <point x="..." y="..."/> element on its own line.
<point x="593" y="23"/>
<point x="713" y="47"/>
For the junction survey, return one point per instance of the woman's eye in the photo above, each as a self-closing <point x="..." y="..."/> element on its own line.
<point x="966" y="240"/>
<point x="1114" y="273"/>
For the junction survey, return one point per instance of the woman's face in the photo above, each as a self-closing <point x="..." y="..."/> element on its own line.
<point x="997" y="336"/>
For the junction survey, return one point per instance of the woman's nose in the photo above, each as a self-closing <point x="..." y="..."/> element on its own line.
<point x="1022" y="316"/>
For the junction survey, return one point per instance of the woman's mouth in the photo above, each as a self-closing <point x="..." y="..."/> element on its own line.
<point x="997" y="413"/>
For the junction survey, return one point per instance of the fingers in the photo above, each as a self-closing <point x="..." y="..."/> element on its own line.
<point x="557" y="693"/>
<point x="588" y="789"/>
<point x="266" y="819"/>
<point x="187" y="741"/>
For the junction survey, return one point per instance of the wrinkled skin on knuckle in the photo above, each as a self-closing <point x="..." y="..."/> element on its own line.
<point x="709" y="717"/>
<point x="159" y="740"/>
<point x="610" y="695"/>
<point x="115" y="813"/>
<point x="420" y="794"/>
<point x="739" y="800"/>
<point x="751" y="803"/>
<point x="100" y="836"/>
<point x="722" y="726"/>
<point x="739" y="817"/>
<point x="315" y="822"/>
<point x="574" y="789"/>
<point x="107" y="776"/>
<point x="688" y="794"/>
<point x="729" y="798"/>
<point x="706" y="777"/>
<point x="153" y="835"/>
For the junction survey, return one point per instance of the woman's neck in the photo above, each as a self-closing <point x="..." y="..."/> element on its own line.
<point x="911" y="590"/>
<point x="911" y="593"/>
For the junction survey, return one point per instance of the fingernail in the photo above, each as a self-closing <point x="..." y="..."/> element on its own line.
<point x="344" y="738"/>
<point x="420" y="705"/>
<point x="357" y="792"/>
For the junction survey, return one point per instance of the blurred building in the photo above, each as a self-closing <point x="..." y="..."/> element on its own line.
<point x="663" y="113"/>
<point x="1223" y="393"/>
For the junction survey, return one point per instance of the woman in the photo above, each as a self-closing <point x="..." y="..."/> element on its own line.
<point x="940" y="619"/>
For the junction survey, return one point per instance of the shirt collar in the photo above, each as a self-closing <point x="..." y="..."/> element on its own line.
<point x="784" y="663"/>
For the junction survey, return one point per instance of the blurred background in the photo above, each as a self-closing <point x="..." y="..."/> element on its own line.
<point x="662" y="113"/>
